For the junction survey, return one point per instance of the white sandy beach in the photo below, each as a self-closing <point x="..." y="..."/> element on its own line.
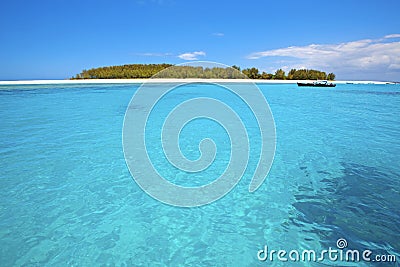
<point x="139" y="81"/>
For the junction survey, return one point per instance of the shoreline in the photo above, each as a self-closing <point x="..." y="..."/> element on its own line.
<point x="140" y="81"/>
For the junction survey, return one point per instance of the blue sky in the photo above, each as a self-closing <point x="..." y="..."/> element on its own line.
<point x="55" y="39"/>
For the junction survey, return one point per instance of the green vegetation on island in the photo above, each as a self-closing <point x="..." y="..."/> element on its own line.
<point x="137" y="71"/>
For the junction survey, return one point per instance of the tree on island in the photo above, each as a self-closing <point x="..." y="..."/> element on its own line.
<point x="236" y="67"/>
<point x="266" y="76"/>
<point x="251" y="73"/>
<point x="279" y="75"/>
<point x="331" y="76"/>
<point x="309" y="74"/>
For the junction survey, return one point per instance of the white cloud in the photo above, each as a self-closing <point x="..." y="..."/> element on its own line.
<point x="185" y="56"/>
<point x="218" y="34"/>
<point x="396" y="35"/>
<point x="373" y="57"/>
<point x="191" y="55"/>
<point x="394" y="67"/>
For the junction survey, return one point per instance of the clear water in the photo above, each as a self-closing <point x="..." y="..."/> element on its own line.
<point x="67" y="197"/>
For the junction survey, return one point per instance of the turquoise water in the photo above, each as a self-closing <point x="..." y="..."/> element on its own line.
<point x="68" y="199"/>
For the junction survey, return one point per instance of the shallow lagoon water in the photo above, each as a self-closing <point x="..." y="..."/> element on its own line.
<point x="67" y="197"/>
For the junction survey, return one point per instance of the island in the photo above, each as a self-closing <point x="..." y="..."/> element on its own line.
<point x="164" y="70"/>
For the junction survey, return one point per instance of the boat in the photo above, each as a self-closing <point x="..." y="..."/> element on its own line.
<point x="317" y="84"/>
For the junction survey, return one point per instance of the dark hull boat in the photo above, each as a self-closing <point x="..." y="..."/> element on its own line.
<point x="317" y="84"/>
